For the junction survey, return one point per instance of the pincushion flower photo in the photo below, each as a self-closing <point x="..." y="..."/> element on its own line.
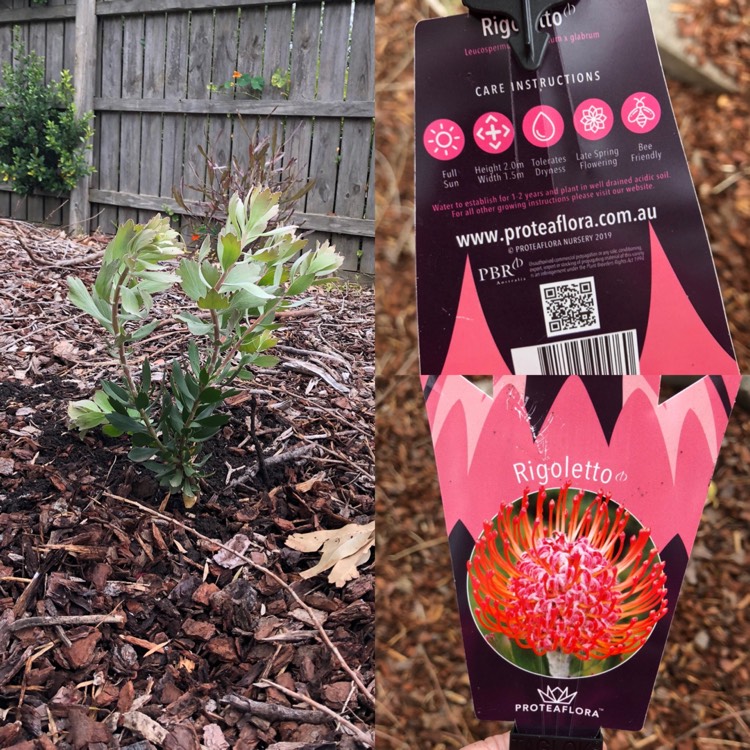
<point x="566" y="583"/>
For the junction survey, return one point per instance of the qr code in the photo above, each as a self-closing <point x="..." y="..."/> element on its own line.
<point x="570" y="306"/>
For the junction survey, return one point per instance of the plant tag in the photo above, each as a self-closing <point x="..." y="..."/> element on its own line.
<point x="557" y="227"/>
<point x="562" y="255"/>
<point x="571" y="506"/>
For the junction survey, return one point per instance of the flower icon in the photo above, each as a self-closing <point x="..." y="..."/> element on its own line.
<point x="593" y="119"/>
<point x="576" y="580"/>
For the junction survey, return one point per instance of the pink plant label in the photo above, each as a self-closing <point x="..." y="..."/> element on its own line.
<point x="571" y="506"/>
<point x="566" y="233"/>
<point x="561" y="254"/>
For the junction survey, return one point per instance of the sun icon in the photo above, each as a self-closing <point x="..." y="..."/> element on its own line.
<point x="444" y="139"/>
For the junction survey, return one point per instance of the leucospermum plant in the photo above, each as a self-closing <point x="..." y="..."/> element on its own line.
<point x="235" y="291"/>
<point x="565" y="584"/>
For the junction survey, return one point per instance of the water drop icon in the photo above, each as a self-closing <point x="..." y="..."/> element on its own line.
<point x="543" y="127"/>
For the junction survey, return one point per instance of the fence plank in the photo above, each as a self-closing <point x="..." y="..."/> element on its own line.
<point x="173" y="133"/>
<point x="37" y="43"/>
<point x="80" y="207"/>
<point x="6" y="41"/>
<point x="326" y="133"/>
<point x="249" y="60"/>
<point x="275" y="57"/>
<point x="367" y="261"/>
<point x="122" y="7"/>
<point x="110" y="54"/>
<point x="22" y="13"/>
<point x="156" y="203"/>
<point x="226" y="106"/>
<point x="130" y="125"/>
<point x="304" y="76"/>
<point x="226" y="29"/>
<point x="199" y="76"/>
<point x="155" y="37"/>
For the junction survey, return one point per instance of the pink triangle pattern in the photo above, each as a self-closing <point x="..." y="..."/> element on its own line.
<point x="472" y="350"/>
<point x="658" y="462"/>
<point x="677" y="341"/>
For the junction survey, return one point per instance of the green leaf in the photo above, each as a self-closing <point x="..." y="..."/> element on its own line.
<point x="84" y="415"/>
<point x="118" y="246"/>
<point x="228" y="250"/>
<point x="213" y="420"/>
<point x="300" y="284"/>
<point x="111" y="431"/>
<point x="146" y="375"/>
<point x="139" y="455"/>
<point x="194" y="357"/>
<point x="192" y="282"/>
<point x="195" y="325"/>
<point x="180" y="382"/>
<point x="245" y="375"/>
<point x="116" y="392"/>
<point x="157" y="281"/>
<point x="266" y="360"/>
<point x="141" y="333"/>
<point x="141" y="440"/>
<point x="210" y="273"/>
<point x="80" y="297"/>
<point x="141" y="400"/>
<point x="211" y="396"/>
<point x="125" y="423"/>
<point x="213" y="301"/>
<point x="129" y="301"/>
<point x="203" y="433"/>
<point x="103" y="282"/>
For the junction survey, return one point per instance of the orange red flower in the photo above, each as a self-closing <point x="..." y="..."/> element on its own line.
<point x="568" y="581"/>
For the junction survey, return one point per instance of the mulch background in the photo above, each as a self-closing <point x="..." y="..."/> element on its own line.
<point x="702" y="695"/>
<point x="200" y="637"/>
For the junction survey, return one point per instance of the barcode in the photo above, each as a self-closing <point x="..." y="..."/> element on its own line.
<point x="610" y="354"/>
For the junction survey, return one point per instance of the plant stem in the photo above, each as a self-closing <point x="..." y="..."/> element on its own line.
<point x="258" y="447"/>
<point x="559" y="664"/>
<point x="122" y="356"/>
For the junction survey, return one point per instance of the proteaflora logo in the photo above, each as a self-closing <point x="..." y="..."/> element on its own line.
<point x="557" y="700"/>
<point x="557" y="696"/>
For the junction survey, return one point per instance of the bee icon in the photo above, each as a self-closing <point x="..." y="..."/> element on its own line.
<point x="641" y="114"/>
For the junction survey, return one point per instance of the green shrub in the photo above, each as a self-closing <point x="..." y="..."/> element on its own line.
<point x="227" y="305"/>
<point x="43" y="141"/>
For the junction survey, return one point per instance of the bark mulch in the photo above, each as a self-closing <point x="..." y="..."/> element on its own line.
<point x="126" y="626"/>
<point x="702" y="695"/>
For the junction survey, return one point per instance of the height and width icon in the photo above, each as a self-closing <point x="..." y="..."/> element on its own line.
<point x="493" y="133"/>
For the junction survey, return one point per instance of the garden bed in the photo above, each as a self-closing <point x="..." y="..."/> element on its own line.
<point x="122" y="622"/>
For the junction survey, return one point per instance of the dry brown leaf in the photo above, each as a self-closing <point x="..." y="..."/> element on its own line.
<point x="343" y="550"/>
<point x="239" y="543"/>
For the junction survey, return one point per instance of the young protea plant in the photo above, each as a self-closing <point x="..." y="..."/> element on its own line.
<point x="226" y="294"/>
<point x="567" y="579"/>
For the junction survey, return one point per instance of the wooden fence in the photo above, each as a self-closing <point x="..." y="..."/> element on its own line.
<point x="149" y="69"/>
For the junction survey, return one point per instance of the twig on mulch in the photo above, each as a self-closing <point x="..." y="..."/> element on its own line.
<point x="712" y="723"/>
<point x="366" y="694"/>
<point x="49" y="621"/>
<point x="250" y="472"/>
<point x="19" y="237"/>
<point x="363" y="737"/>
<point x="275" y="711"/>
